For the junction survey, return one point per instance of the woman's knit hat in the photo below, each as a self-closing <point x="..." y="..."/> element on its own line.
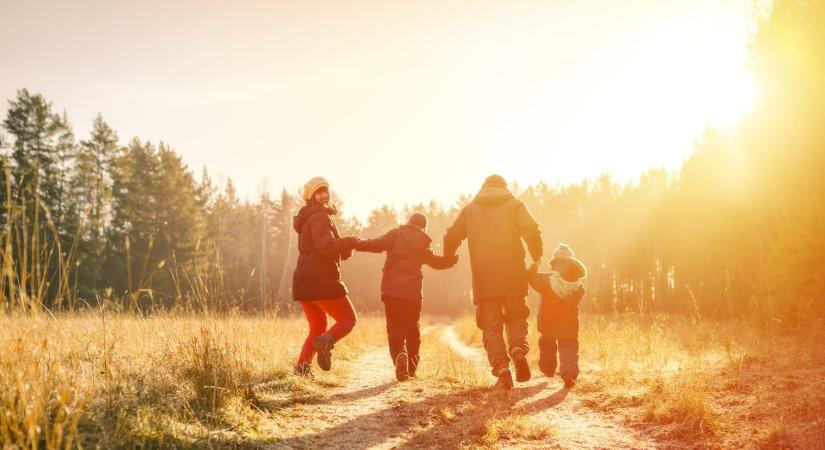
<point x="312" y="186"/>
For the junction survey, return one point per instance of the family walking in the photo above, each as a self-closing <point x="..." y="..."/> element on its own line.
<point x="495" y="225"/>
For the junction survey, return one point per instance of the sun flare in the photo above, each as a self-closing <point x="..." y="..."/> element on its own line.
<point x="627" y="106"/>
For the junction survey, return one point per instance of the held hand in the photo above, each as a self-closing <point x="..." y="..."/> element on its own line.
<point x="348" y="246"/>
<point x="348" y="243"/>
<point x="453" y="259"/>
<point x="533" y="267"/>
<point x="358" y="242"/>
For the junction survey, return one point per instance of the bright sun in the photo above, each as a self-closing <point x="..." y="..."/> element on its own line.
<point x="630" y="105"/>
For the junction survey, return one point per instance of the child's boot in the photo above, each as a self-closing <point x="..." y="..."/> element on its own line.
<point x="505" y="379"/>
<point x="402" y="367"/>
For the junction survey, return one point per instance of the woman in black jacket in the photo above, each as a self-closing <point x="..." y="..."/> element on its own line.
<point x="317" y="283"/>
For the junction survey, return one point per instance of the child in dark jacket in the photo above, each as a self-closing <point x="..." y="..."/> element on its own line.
<point x="558" y="319"/>
<point x="408" y="247"/>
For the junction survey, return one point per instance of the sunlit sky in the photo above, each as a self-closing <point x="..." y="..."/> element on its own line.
<point x="394" y="102"/>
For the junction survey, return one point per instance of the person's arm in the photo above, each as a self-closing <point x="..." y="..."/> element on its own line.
<point x="455" y="234"/>
<point x="326" y="242"/>
<point x="439" y="262"/>
<point x="377" y="245"/>
<point x="529" y="231"/>
<point x="576" y="296"/>
<point x="539" y="281"/>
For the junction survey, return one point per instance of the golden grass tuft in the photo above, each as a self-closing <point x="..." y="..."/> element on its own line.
<point x="41" y="401"/>
<point x="114" y="381"/>
<point x="515" y="427"/>
<point x="217" y="371"/>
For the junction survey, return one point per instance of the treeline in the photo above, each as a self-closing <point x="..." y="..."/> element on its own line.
<point x="737" y="231"/>
<point x="93" y="220"/>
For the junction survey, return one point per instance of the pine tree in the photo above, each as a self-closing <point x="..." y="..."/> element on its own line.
<point x="180" y="224"/>
<point x="285" y="239"/>
<point x="134" y="224"/>
<point x="5" y="181"/>
<point x="91" y="187"/>
<point x="35" y="170"/>
<point x="35" y="129"/>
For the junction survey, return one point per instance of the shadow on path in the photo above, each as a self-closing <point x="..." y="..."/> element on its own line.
<point x="548" y="402"/>
<point x="470" y="424"/>
<point x="470" y="409"/>
<point x="361" y="393"/>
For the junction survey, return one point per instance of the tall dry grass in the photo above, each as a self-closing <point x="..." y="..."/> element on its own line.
<point x="36" y="271"/>
<point x="102" y="380"/>
<point x="698" y="383"/>
<point x="117" y="381"/>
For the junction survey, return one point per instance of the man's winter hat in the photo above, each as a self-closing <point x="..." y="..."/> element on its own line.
<point x="313" y="185"/>
<point x="495" y="181"/>
<point x="563" y="251"/>
<point x="418" y="219"/>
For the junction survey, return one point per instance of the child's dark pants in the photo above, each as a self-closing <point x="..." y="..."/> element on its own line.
<point x="568" y="356"/>
<point x="403" y="329"/>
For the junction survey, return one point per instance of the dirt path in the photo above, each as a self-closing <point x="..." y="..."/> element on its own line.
<point x="353" y="416"/>
<point x="372" y="410"/>
<point x="573" y="424"/>
<point x="366" y="412"/>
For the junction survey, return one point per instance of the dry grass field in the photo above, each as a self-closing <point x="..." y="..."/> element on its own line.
<point x="95" y="380"/>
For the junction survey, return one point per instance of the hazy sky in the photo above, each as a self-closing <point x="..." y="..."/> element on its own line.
<point x="394" y="102"/>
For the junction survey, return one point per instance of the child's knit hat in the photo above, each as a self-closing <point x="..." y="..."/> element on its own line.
<point x="570" y="269"/>
<point x="563" y="251"/>
<point x="418" y="219"/>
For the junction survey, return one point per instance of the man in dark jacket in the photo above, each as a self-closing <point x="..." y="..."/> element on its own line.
<point x="494" y="224"/>
<point x="408" y="247"/>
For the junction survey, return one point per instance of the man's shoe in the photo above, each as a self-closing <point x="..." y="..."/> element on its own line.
<point x="402" y="370"/>
<point x="323" y="346"/>
<point x="569" y="382"/>
<point x="505" y="379"/>
<point x="522" y="366"/>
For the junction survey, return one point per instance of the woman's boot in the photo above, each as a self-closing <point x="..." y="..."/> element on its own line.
<point x="323" y="347"/>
